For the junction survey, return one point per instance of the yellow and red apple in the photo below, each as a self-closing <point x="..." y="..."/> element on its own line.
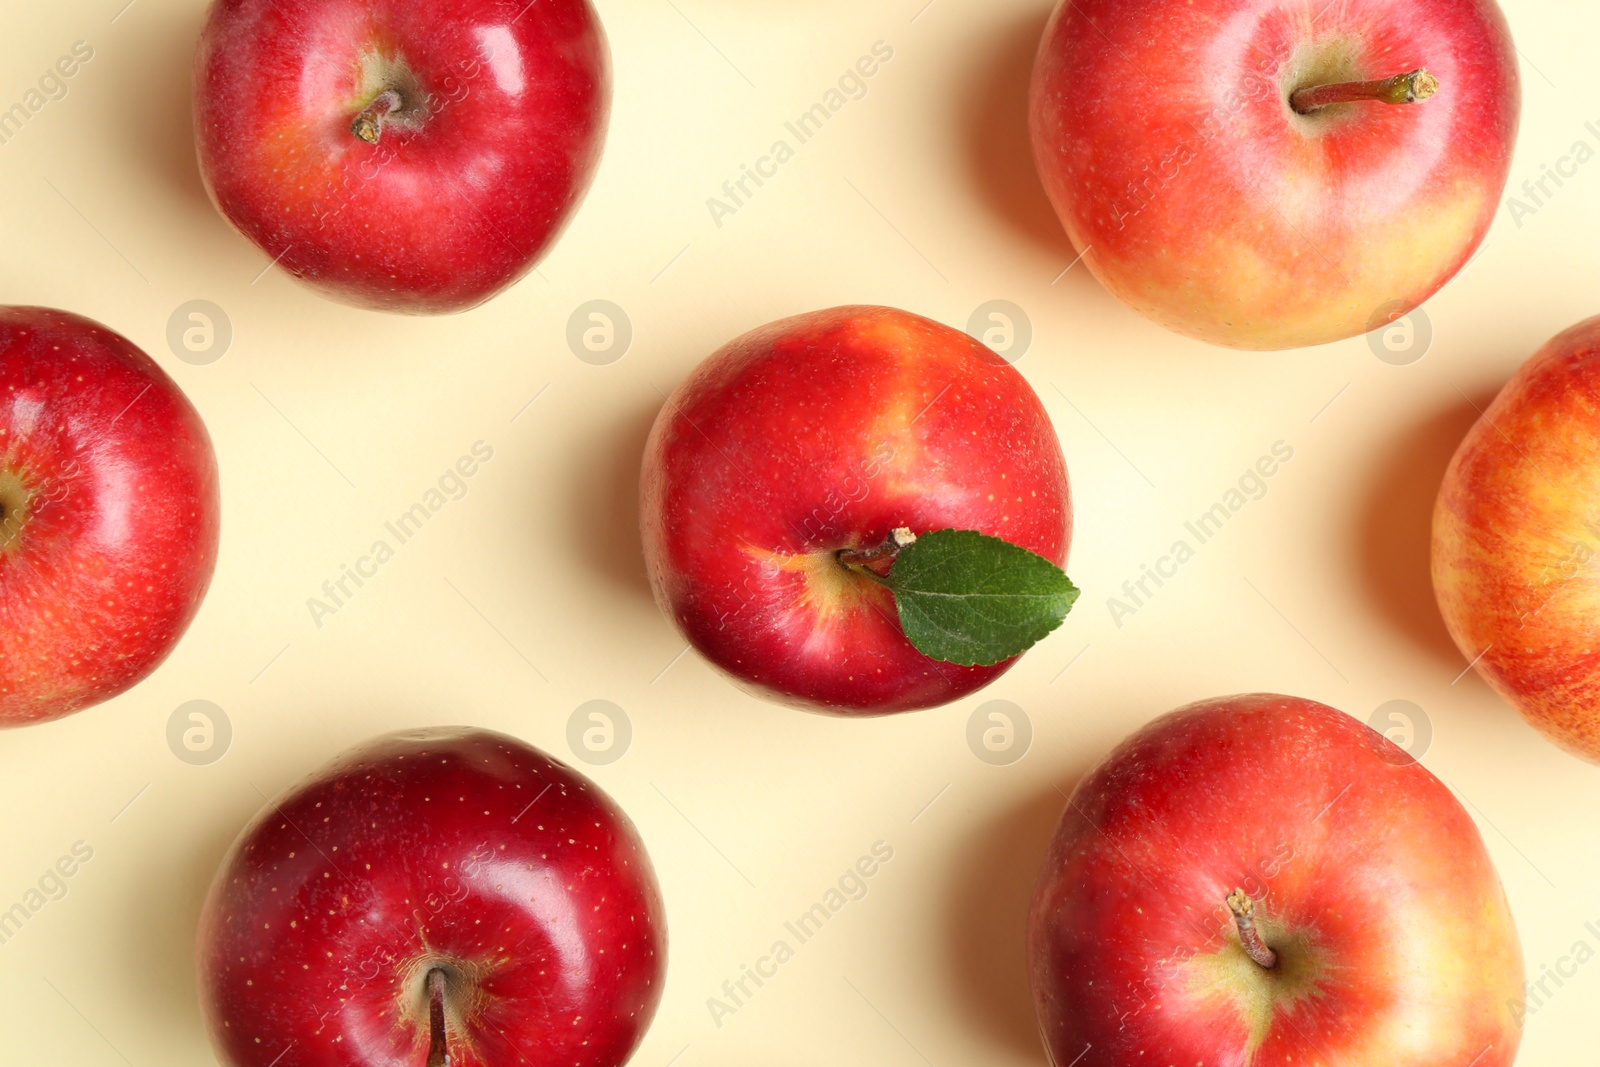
<point x="1516" y="542"/>
<point x="1262" y="879"/>
<point x="1206" y="194"/>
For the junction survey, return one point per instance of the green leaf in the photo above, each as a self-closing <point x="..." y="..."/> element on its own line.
<point x="968" y="598"/>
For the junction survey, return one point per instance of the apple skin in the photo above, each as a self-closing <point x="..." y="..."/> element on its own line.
<point x="109" y="514"/>
<point x="822" y="432"/>
<point x="1516" y="538"/>
<point x="504" y="120"/>
<point x="1395" y="942"/>
<point x="448" y="847"/>
<point x="1164" y="138"/>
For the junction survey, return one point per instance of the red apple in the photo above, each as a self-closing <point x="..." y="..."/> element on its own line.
<point x="1264" y="880"/>
<point x="820" y="434"/>
<point x="450" y="895"/>
<point x="1207" y="195"/>
<point x="108" y="514"/>
<point x="404" y="156"/>
<point x="1516" y="542"/>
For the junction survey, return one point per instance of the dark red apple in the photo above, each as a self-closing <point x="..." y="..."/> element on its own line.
<point x="447" y="895"/>
<point x="1265" y="880"/>
<point x="820" y="435"/>
<point x="109" y="514"/>
<point x="1233" y="169"/>
<point x="405" y="156"/>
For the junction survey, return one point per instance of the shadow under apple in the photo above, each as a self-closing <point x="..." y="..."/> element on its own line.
<point x="988" y="916"/>
<point x="154" y="127"/>
<point x="162" y="908"/>
<point x="1396" y="525"/>
<point x="995" y="126"/>
<point x="603" y="491"/>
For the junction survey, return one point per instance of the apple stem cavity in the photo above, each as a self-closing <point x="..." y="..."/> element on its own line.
<point x="14" y="500"/>
<point x="1244" y="910"/>
<point x="438" y="1050"/>
<point x="369" y="124"/>
<point x="1409" y="88"/>
<point x="887" y="549"/>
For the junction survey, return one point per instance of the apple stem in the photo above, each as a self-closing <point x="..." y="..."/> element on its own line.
<point x="438" y="1053"/>
<point x="1408" y="88"/>
<point x="369" y="124"/>
<point x="888" y="548"/>
<point x="1244" y="910"/>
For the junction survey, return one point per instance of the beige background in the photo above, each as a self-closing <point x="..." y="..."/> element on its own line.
<point x="527" y="598"/>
